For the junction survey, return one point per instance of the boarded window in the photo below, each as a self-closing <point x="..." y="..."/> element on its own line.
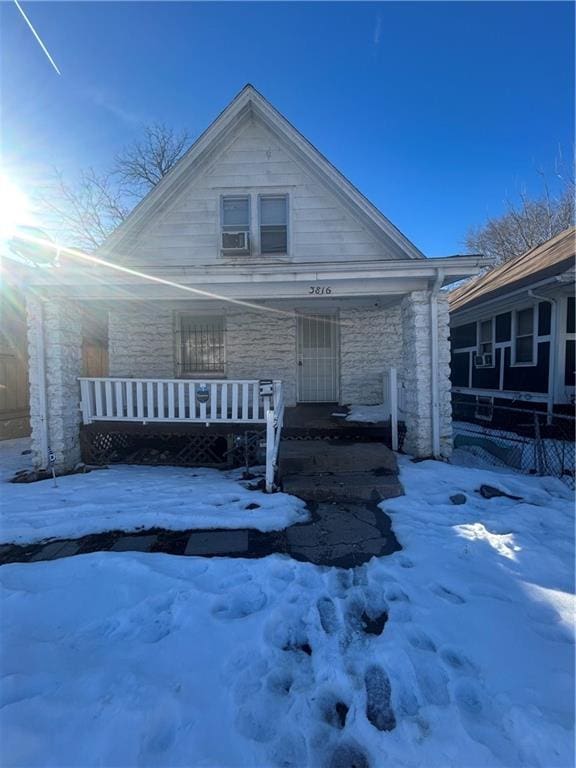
<point x="201" y="345"/>
<point x="273" y="224"/>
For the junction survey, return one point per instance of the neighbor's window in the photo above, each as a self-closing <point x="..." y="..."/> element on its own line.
<point x="524" y="336"/>
<point x="273" y="223"/>
<point x="235" y="222"/>
<point x="485" y="338"/>
<point x="201" y="345"/>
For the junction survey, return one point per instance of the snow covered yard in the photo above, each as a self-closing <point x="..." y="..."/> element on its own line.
<point x="129" y="498"/>
<point x="124" y="659"/>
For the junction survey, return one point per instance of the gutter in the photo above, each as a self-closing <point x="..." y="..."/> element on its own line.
<point x="435" y="403"/>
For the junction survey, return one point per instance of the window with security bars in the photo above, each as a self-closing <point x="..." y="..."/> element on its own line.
<point x="273" y="224"/>
<point x="201" y="345"/>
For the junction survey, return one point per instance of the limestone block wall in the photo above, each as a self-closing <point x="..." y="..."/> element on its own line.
<point x="262" y="345"/>
<point x="370" y="342"/>
<point x="141" y="341"/>
<point x="417" y="374"/>
<point x="63" y="365"/>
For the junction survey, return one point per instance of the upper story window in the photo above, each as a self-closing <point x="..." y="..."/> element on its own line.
<point x="236" y="223"/>
<point x="523" y="342"/>
<point x="273" y="223"/>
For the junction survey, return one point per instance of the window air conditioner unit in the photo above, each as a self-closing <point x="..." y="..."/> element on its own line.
<point x="483" y="361"/>
<point x="235" y="241"/>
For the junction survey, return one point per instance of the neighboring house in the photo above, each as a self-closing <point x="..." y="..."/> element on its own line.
<point x="14" y="413"/>
<point x="513" y="333"/>
<point x="254" y="259"/>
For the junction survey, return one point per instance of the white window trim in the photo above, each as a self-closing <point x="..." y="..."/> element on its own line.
<point x="178" y="344"/>
<point x="254" y="221"/>
<point x="286" y="196"/>
<point x="534" y="361"/>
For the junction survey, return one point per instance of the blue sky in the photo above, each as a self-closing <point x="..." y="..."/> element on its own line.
<point x="435" y="111"/>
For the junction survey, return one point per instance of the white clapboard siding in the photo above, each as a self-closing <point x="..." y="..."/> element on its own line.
<point x="187" y="231"/>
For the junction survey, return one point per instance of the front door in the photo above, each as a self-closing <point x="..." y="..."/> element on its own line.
<point x="317" y="358"/>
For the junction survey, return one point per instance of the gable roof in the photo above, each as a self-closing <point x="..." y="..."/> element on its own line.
<point x="553" y="257"/>
<point x="247" y="104"/>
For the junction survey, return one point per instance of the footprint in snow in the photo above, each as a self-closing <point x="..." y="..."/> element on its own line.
<point x="348" y="755"/>
<point x="288" y="751"/>
<point x="378" y="692"/>
<point x="405" y="562"/>
<point x="432" y="680"/>
<point x="328" y="616"/>
<point x="421" y="641"/>
<point x="333" y="709"/>
<point x="482" y="722"/>
<point x="447" y="594"/>
<point x="240" y="603"/>
<point x="395" y="594"/>
<point x="457" y="662"/>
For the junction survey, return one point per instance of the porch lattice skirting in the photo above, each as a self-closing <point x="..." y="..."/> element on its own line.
<point x="169" y="405"/>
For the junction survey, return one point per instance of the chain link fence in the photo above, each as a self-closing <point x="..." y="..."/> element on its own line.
<point x="525" y="440"/>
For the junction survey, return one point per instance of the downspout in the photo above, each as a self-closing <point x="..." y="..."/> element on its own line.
<point x="434" y="363"/>
<point x="42" y="395"/>
<point x="553" y="353"/>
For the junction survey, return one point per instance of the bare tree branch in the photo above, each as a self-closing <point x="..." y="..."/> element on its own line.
<point x="84" y="212"/>
<point x="527" y="224"/>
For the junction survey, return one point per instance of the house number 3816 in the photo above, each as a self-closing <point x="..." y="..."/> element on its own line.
<point x="320" y="290"/>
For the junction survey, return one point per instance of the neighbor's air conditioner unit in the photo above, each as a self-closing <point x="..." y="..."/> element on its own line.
<point x="483" y="361"/>
<point x="235" y="241"/>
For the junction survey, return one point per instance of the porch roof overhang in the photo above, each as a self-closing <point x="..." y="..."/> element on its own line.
<point x="101" y="280"/>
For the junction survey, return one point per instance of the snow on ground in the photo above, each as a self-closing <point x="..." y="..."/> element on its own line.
<point x="129" y="498"/>
<point x="370" y="414"/>
<point x="125" y="659"/>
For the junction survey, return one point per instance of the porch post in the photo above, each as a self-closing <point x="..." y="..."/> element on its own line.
<point x="417" y="374"/>
<point x="55" y="359"/>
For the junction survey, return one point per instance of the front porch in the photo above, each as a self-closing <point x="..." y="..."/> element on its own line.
<point x="214" y="423"/>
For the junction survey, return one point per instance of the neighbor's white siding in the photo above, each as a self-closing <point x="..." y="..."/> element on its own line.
<point x="187" y="233"/>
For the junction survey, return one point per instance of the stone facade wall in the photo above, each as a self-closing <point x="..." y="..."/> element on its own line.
<point x="63" y="361"/>
<point x="370" y="342"/>
<point x="141" y="341"/>
<point x="262" y="345"/>
<point x="417" y="374"/>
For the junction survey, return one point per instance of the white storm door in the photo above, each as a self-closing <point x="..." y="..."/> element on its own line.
<point x="317" y="358"/>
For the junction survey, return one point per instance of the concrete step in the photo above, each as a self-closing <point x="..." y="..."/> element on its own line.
<point x="308" y="457"/>
<point x="342" y="486"/>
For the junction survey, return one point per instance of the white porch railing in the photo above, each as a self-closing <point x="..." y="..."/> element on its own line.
<point x="274" y="422"/>
<point x="209" y="401"/>
<point x="393" y="400"/>
<point x="175" y="400"/>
